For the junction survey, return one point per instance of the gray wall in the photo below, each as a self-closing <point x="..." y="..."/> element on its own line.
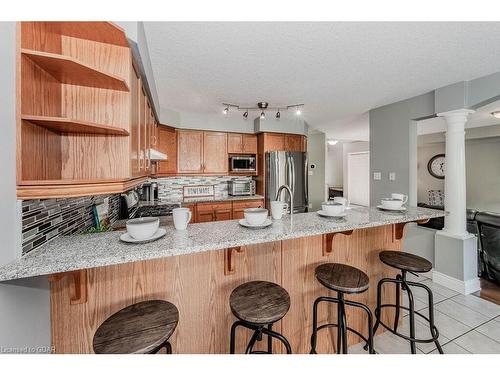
<point x="425" y="181"/>
<point x="334" y="172"/>
<point x="316" y="151"/>
<point x="391" y="140"/>
<point x="24" y="305"/>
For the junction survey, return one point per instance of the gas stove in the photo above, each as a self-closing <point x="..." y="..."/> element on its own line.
<point x="155" y="210"/>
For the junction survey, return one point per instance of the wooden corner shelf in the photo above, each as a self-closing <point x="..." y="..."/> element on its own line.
<point x="65" y="125"/>
<point x="97" y="31"/>
<point x="70" y="71"/>
<point x="38" y="189"/>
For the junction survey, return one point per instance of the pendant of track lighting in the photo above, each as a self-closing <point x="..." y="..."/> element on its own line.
<point x="225" y="110"/>
<point x="298" y="112"/>
<point x="262" y="115"/>
<point x="245" y="115"/>
<point x="278" y="115"/>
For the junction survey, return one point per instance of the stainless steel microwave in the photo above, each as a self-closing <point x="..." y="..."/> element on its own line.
<point x="242" y="163"/>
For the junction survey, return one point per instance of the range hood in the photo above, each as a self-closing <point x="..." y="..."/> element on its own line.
<point x="157" y="155"/>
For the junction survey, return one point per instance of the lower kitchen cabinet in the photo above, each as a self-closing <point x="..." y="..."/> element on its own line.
<point x="239" y="207"/>
<point x="208" y="211"/>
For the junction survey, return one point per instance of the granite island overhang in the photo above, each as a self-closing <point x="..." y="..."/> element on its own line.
<point x="94" y="275"/>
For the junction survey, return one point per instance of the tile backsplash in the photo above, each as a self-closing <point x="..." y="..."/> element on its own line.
<point x="46" y="219"/>
<point x="171" y="188"/>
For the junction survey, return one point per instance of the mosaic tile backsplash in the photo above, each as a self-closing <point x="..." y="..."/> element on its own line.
<point x="171" y="188"/>
<point x="46" y="219"/>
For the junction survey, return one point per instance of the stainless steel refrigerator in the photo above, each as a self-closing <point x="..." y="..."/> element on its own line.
<point x="287" y="168"/>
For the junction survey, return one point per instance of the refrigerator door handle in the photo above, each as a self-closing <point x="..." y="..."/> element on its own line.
<point x="292" y="163"/>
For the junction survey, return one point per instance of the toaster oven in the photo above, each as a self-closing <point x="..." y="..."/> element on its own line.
<point x="241" y="187"/>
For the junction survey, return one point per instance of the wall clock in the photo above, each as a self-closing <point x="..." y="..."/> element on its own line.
<point x="437" y="166"/>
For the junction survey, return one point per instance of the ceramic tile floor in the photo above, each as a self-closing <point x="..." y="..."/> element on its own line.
<point x="466" y="324"/>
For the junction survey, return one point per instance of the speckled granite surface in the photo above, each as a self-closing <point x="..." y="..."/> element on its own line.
<point x="95" y="250"/>
<point x="227" y="198"/>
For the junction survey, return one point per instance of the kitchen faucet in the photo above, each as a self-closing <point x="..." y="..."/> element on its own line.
<point x="291" y="196"/>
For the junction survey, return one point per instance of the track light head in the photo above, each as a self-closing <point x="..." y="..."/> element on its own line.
<point x="278" y="115"/>
<point x="262" y="115"/>
<point x="225" y="110"/>
<point x="298" y="112"/>
<point x="245" y="115"/>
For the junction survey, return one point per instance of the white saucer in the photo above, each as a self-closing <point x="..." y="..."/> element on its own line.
<point x="246" y="224"/>
<point x="400" y="209"/>
<point x="324" y="214"/>
<point x="126" y="237"/>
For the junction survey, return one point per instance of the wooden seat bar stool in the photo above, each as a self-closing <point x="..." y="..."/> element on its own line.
<point x="413" y="264"/>
<point x="141" y="328"/>
<point x="258" y="305"/>
<point x="343" y="279"/>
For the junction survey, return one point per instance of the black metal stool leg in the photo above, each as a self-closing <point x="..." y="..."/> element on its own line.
<point x="344" y="322"/>
<point x="315" y="326"/>
<point x="379" y="303"/>
<point x="252" y="341"/>
<point x="270" y="340"/>
<point x="232" y="340"/>
<point x="168" y="348"/>
<point x="339" y="327"/>
<point x="398" y="304"/>
<point x="412" y="319"/>
<point x="280" y="337"/>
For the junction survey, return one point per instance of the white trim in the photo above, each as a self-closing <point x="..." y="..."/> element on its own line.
<point x="463" y="287"/>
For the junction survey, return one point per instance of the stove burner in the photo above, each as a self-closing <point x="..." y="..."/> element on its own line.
<point x="158" y="210"/>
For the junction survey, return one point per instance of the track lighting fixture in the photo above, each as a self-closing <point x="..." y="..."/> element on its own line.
<point x="261" y="107"/>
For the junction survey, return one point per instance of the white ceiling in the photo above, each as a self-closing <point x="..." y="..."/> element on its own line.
<point x="340" y="70"/>
<point x="482" y="117"/>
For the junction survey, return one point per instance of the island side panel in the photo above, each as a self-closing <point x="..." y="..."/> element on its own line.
<point x="300" y="258"/>
<point x="195" y="283"/>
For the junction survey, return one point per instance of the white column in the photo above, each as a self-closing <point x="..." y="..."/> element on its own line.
<point x="454" y="182"/>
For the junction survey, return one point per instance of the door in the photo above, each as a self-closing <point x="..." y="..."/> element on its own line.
<point x="135" y="141"/>
<point x="277" y="174"/>
<point x="358" y="178"/>
<point x="249" y="143"/>
<point x="274" y="142"/>
<point x="234" y="143"/>
<point x="294" y="142"/>
<point x="190" y="151"/>
<point x="298" y="180"/>
<point x="215" y="159"/>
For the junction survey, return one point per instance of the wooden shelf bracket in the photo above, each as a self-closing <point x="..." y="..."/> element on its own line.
<point x="229" y="266"/>
<point x="399" y="229"/>
<point x="328" y="239"/>
<point x="77" y="286"/>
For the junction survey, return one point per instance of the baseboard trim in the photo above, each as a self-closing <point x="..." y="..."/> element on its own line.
<point x="460" y="286"/>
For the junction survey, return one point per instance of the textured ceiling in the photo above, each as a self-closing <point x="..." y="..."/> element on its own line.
<point x="339" y="70"/>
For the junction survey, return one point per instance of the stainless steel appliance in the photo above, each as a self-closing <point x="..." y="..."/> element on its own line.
<point x="287" y="168"/>
<point x="148" y="191"/>
<point x="242" y="163"/>
<point x="241" y="187"/>
<point x="131" y="206"/>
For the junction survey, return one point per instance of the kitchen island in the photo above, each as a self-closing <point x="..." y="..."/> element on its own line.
<point x="93" y="276"/>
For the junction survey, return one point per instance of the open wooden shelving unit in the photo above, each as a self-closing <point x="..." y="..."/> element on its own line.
<point x="70" y="71"/>
<point x="75" y="110"/>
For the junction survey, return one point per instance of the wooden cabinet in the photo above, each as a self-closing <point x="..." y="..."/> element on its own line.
<point x="206" y="212"/>
<point x="294" y="142"/>
<point x="238" y="143"/>
<point x="189" y="151"/>
<point x="240" y="206"/>
<point x="274" y="142"/>
<point x="215" y="152"/>
<point x="167" y="143"/>
<point x="201" y="152"/>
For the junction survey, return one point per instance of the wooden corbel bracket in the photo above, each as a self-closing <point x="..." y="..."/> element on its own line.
<point x="229" y="253"/>
<point x="328" y="239"/>
<point x="399" y="229"/>
<point x="77" y="285"/>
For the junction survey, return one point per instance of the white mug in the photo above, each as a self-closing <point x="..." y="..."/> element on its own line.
<point x="278" y="209"/>
<point x="182" y="216"/>
<point x="341" y="200"/>
<point x="401" y="197"/>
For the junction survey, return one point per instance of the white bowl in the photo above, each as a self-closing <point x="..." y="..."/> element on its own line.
<point x="391" y="203"/>
<point x="333" y="208"/>
<point x="255" y="216"/>
<point x="143" y="227"/>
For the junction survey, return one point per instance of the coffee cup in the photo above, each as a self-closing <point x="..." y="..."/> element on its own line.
<point x="277" y="209"/>
<point x="182" y="216"/>
<point x="341" y="200"/>
<point x="401" y="197"/>
<point x="391" y="203"/>
<point x="332" y="208"/>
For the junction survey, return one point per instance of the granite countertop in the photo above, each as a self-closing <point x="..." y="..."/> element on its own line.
<point x="69" y="253"/>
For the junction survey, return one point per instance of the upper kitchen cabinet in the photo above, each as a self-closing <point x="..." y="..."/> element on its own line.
<point x="167" y="143"/>
<point x="79" y="120"/>
<point x="201" y="152"/>
<point x="294" y="142"/>
<point x="189" y="151"/>
<point x="282" y="142"/>
<point x="241" y="143"/>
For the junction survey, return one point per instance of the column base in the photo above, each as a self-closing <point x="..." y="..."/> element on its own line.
<point x="455" y="262"/>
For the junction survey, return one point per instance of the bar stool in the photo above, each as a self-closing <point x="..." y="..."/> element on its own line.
<point x="258" y="305"/>
<point x="141" y="328"/>
<point x="413" y="264"/>
<point x="342" y="279"/>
